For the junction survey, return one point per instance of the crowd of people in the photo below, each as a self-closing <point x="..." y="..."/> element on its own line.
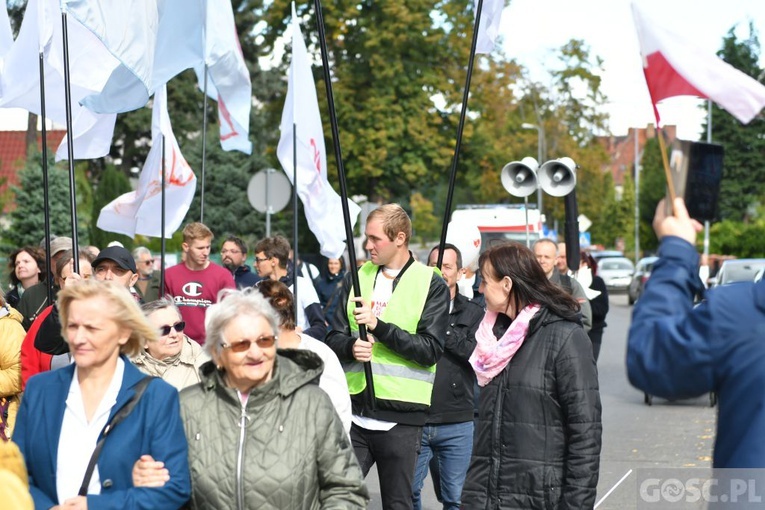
<point x="220" y="388"/>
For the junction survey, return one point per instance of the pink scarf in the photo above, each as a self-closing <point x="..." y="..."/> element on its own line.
<point x="491" y="356"/>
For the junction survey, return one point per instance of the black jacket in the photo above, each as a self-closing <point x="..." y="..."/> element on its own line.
<point x="244" y="277"/>
<point x="424" y="347"/>
<point x="452" y="400"/>
<point x="538" y="439"/>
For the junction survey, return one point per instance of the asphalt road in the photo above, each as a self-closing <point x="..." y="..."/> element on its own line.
<point x="636" y="437"/>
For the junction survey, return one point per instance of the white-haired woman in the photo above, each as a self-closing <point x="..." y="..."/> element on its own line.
<point x="64" y="412"/>
<point x="172" y="356"/>
<point x="261" y="432"/>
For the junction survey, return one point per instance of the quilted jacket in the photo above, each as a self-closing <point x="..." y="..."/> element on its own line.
<point x="285" y="449"/>
<point x="538" y="439"/>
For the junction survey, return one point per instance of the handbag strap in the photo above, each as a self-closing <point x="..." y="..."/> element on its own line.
<point x="120" y="415"/>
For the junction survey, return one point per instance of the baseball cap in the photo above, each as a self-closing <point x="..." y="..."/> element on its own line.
<point x="117" y="254"/>
<point x="59" y="244"/>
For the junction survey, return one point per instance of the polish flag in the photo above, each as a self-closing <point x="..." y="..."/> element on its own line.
<point x="675" y="67"/>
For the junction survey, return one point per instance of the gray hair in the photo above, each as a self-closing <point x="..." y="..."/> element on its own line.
<point x="231" y="304"/>
<point x="543" y="241"/>
<point x="140" y="250"/>
<point x="159" y="304"/>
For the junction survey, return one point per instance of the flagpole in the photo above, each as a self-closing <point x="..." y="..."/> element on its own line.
<point x="46" y="198"/>
<point x="294" y="218"/>
<point x="162" y="227"/>
<point x="70" y="144"/>
<point x="460" y="129"/>
<point x="665" y="160"/>
<point x="343" y="185"/>
<point x="204" y="149"/>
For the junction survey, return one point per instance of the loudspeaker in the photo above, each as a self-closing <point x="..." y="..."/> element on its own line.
<point x="557" y="177"/>
<point x="519" y="178"/>
<point x="696" y="169"/>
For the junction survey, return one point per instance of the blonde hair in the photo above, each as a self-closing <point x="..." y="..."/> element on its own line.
<point x="125" y="311"/>
<point x="196" y="230"/>
<point x="394" y="220"/>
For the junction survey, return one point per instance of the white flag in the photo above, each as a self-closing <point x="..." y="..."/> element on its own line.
<point x="488" y="29"/>
<point x="180" y="39"/>
<point x="20" y="79"/>
<point x="675" y="67"/>
<point x="129" y="31"/>
<point x="228" y="78"/>
<point x="321" y="203"/>
<point x="140" y="211"/>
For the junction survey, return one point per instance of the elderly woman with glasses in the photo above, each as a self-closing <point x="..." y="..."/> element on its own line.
<point x="262" y="433"/>
<point x="173" y="356"/>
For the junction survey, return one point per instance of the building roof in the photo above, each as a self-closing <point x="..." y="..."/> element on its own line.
<point x="13" y="153"/>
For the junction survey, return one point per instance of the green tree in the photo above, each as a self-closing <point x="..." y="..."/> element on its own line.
<point x="653" y="185"/>
<point x="425" y="224"/>
<point x="113" y="183"/>
<point x="28" y="219"/>
<point x="617" y="216"/>
<point x="744" y="161"/>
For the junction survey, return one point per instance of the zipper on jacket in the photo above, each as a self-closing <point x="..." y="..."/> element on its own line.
<point x="496" y="447"/>
<point x="240" y="460"/>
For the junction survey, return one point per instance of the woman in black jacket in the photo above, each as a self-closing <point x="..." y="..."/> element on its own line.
<point x="538" y="438"/>
<point x="599" y="303"/>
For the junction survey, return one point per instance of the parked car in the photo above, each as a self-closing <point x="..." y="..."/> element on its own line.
<point x="616" y="273"/>
<point x="639" y="278"/>
<point x="737" y="270"/>
<point x="602" y="254"/>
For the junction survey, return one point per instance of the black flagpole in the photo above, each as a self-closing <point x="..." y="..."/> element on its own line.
<point x="460" y="128"/>
<point x="46" y="200"/>
<point x="204" y="150"/>
<point x="70" y="145"/>
<point x="343" y="186"/>
<point x="294" y="219"/>
<point x="162" y="228"/>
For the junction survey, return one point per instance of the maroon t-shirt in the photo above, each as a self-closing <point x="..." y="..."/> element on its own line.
<point x="194" y="291"/>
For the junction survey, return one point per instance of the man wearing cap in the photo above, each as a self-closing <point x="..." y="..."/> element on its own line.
<point x="35" y="298"/>
<point x="116" y="264"/>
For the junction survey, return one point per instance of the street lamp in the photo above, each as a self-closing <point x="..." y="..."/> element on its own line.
<point x="540" y="155"/>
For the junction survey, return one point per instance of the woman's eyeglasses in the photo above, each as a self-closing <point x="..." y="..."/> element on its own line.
<point x="178" y="326"/>
<point x="263" y="342"/>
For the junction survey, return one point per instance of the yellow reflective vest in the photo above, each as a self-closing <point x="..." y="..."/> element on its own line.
<point x="399" y="384"/>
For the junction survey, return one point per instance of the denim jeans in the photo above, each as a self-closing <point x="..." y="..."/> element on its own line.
<point x="395" y="453"/>
<point x="450" y="446"/>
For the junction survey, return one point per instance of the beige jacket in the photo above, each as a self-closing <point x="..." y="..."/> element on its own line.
<point x="180" y="371"/>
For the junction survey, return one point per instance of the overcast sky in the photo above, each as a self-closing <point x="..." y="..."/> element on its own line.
<point x="534" y="29"/>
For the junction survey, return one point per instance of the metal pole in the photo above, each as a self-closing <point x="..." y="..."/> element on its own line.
<point x="70" y="144"/>
<point x="460" y="129"/>
<point x="162" y="247"/>
<point x="204" y="150"/>
<point x="343" y="185"/>
<point x="540" y="156"/>
<point x="637" y="196"/>
<point x="526" y="209"/>
<point x="46" y="199"/>
<point x="706" y="223"/>
<point x="268" y="204"/>
<point x="295" y="219"/>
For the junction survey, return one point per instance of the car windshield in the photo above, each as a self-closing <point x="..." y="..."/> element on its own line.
<point x="609" y="264"/>
<point x="741" y="272"/>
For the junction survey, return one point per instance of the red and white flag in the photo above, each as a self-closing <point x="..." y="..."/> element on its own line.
<point x="488" y="28"/>
<point x="41" y="32"/>
<point x="321" y="203"/>
<point x="140" y="211"/>
<point x="228" y="79"/>
<point x="675" y="67"/>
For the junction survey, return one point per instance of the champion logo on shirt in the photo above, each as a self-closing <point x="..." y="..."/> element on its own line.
<point x="193" y="289"/>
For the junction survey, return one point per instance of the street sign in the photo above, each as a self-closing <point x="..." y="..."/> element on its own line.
<point x="584" y="223"/>
<point x="269" y="191"/>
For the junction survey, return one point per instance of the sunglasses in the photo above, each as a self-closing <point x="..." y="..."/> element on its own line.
<point x="178" y="326"/>
<point x="263" y="342"/>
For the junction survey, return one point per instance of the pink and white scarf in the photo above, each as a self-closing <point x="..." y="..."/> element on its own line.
<point x="491" y="356"/>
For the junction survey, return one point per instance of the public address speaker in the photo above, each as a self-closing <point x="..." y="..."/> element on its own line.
<point x="557" y="177"/>
<point x="519" y="178"/>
